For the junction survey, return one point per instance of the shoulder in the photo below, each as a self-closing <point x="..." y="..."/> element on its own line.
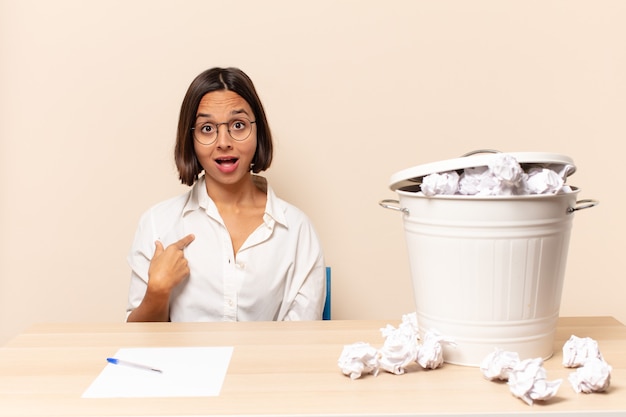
<point x="162" y="215"/>
<point x="155" y="223"/>
<point x="287" y="214"/>
<point x="174" y="205"/>
<point x="291" y="211"/>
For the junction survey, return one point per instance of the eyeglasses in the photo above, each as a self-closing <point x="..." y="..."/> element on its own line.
<point x="238" y="129"/>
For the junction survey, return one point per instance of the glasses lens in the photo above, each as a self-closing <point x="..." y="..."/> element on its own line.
<point x="205" y="133"/>
<point x="240" y="129"/>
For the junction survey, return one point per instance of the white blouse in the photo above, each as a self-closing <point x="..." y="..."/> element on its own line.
<point x="278" y="274"/>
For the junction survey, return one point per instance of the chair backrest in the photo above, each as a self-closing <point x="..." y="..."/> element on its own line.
<point x="326" y="313"/>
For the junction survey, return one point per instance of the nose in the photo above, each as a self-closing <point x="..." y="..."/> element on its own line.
<point x="223" y="136"/>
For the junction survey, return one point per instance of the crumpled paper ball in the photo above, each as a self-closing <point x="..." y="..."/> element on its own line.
<point x="527" y="381"/>
<point x="409" y="321"/>
<point x="358" y="359"/>
<point x="508" y="173"/>
<point x="543" y="181"/>
<point x="498" y="364"/>
<point x="577" y="350"/>
<point x="398" y="351"/>
<point x="446" y="183"/>
<point x="430" y="354"/>
<point x="401" y="345"/>
<point x="593" y="376"/>
<point x="477" y="181"/>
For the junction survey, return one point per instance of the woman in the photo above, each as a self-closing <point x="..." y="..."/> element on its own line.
<point x="228" y="249"/>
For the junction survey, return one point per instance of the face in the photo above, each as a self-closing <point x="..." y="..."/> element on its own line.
<point x="225" y="161"/>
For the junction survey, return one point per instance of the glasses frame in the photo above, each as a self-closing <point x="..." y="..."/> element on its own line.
<point x="217" y="131"/>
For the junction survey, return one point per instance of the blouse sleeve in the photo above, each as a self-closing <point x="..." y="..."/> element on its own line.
<point x="308" y="284"/>
<point x="139" y="260"/>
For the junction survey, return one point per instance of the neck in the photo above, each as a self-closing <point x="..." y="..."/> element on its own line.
<point x="243" y="192"/>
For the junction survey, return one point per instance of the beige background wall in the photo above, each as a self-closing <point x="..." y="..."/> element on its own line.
<point x="355" y="91"/>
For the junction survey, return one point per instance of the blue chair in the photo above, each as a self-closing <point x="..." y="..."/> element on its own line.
<point x="326" y="313"/>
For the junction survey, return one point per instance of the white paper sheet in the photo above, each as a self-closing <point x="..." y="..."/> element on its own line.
<point x="187" y="372"/>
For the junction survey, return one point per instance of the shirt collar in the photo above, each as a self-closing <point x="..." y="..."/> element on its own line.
<point x="274" y="208"/>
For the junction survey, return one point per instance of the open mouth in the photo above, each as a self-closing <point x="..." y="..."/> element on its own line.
<point x="226" y="161"/>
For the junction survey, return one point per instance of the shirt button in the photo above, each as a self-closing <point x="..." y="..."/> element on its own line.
<point x="241" y="265"/>
<point x="230" y="303"/>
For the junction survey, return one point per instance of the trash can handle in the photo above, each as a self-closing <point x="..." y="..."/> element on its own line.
<point x="393" y="205"/>
<point x="480" y="151"/>
<point x="582" y="204"/>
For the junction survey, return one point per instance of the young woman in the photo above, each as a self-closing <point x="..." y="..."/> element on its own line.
<point x="229" y="249"/>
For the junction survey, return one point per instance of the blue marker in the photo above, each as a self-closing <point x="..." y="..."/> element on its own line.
<point x="116" y="361"/>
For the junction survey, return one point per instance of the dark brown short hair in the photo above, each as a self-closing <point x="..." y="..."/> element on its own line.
<point x="217" y="79"/>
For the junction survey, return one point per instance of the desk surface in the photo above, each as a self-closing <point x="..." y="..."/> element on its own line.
<point x="283" y="368"/>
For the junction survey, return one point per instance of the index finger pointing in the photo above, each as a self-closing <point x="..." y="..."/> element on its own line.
<point x="184" y="242"/>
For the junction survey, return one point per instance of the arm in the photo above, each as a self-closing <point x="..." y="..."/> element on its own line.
<point x="309" y="302"/>
<point x="168" y="268"/>
<point x="308" y="292"/>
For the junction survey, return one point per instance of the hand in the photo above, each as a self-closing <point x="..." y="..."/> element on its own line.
<point x="168" y="266"/>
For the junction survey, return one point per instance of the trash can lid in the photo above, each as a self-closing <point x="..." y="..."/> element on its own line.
<point x="414" y="175"/>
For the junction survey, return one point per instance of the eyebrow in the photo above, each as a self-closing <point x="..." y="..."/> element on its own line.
<point x="233" y="113"/>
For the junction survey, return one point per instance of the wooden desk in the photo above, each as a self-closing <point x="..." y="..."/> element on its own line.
<point x="283" y="368"/>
